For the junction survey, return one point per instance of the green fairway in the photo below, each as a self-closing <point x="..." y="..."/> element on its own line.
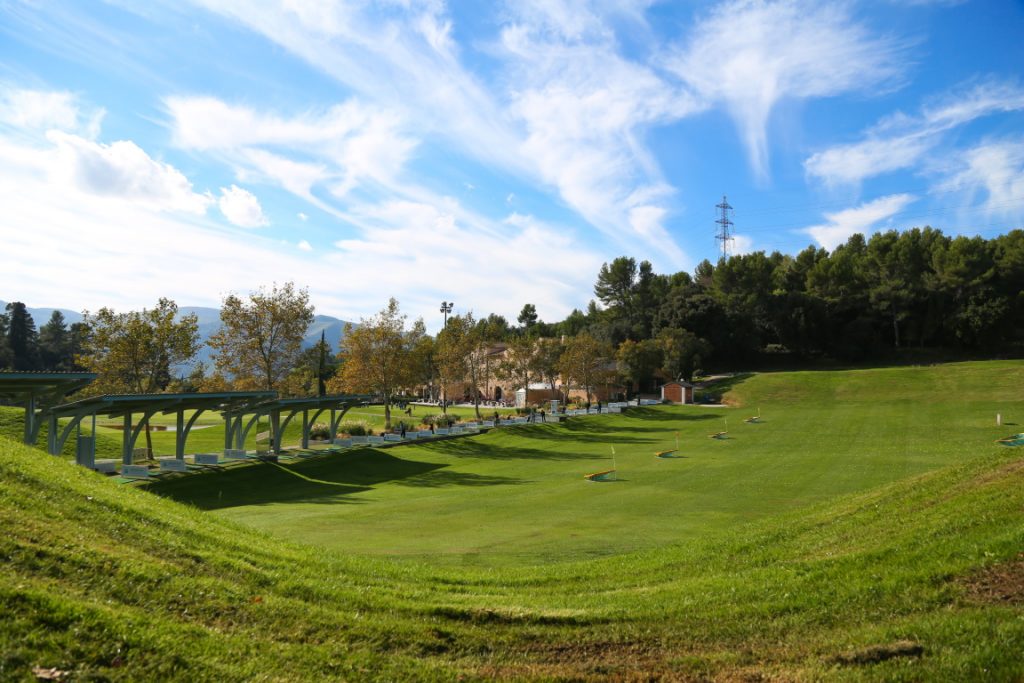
<point x="517" y="495"/>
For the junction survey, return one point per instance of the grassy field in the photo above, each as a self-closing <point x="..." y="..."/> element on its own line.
<point x="517" y="495"/>
<point x="870" y="529"/>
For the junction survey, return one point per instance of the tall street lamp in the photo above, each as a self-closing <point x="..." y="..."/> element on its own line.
<point x="446" y="308"/>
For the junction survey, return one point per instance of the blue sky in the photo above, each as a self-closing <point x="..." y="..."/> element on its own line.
<point x="493" y="154"/>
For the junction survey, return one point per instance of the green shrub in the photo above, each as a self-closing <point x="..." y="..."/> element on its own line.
<point x="355" y="428"/>
<point x="320" y="430"/>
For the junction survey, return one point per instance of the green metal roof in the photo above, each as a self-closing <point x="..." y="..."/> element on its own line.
<point x="113" y="405"/>
<point x="303" y="403"/>
<point x="16" y="385"/>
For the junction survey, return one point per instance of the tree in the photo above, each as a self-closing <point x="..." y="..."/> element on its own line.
<point x="451" y="353"/>
<point x="6" y="355"/>
<point x="314" y="367"/>
<point x="133" y="352"/>
<point x="259" y="341"/>
<point x="546" y="357"/>
<point x="380" y="356"/>
<point x="497" y="326"/>
<point x="78" y="340"/>
<point x="54" y="343"/>
<point x="637" y="361"/>
<point x="586" y="362"/>
<point x="527" y="317"/>
<point x="517" y="365"/>
<point x="615" y="282"/>
<point x="682" y="352"/>
<point x="22" y="338"/>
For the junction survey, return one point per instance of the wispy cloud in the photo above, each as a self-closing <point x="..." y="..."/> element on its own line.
<point x="585" y="109"/>
<point x="901" y="141"/>
<point x="994" y="170"/>
<point x="569" y="113"/>
<point x="751" y="54"/>
<point x="840" y="225"/>
<point x="341" y="146"/>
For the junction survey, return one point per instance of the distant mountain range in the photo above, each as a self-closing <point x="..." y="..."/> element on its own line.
<point x="209" y="321"/>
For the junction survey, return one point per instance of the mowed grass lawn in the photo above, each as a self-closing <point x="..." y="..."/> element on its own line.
<point x="518" y="496"/>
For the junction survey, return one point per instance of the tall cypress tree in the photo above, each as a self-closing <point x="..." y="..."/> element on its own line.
<point x="6" y="356"/>
<point x="54" y="344"/>
<point x="22" y="337"/>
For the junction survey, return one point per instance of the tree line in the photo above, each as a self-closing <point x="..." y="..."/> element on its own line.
<point x="917" y="289"/>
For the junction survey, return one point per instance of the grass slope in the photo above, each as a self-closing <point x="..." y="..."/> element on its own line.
<point x="909" y="580"/>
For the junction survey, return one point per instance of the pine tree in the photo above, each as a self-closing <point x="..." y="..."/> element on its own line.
<point x="54" y="344"/>
<point x="22" y="337"/>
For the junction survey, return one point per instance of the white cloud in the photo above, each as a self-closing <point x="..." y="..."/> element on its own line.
<point x="123" y="170"/>
<point x="585" y="109"/>
<point x="43" y="110"/>
<point x="995" y="169"/>
<point x="428" y="249"/>
<point x="750" y="54"/>
<point x="741" y="244"/>
<point x="863" y="219"/>
<point x="902" y="141"/>
<point x="241" y="207"/>
<point x="302" y="217"/>
<point x="397" y="54"/>
<point x="419" y="252"/>
<point x="573" y="117"/>
<point x="340" y="147"/>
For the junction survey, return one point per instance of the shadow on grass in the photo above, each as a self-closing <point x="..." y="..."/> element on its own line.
<point x="486" y="448"/>
<point x="573" y="431"/>
<point x="329" y="480"/>
<point x="446" y="477"/>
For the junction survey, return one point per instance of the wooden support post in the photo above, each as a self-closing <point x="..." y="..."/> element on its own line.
<point x="305" y="429"/>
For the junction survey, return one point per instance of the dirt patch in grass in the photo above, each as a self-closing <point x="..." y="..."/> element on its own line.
<point x="1007" y="470"/>
<point x="622" y="661"/>
<point x="998" y="584"/>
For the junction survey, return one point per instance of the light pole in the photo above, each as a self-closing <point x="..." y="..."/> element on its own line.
<point x="446" y="308"/>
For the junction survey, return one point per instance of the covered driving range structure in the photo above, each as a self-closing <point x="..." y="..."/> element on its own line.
<point x="141" y="407"/>
<point x="37" y="391"/>
<point x="281" y="411"/>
